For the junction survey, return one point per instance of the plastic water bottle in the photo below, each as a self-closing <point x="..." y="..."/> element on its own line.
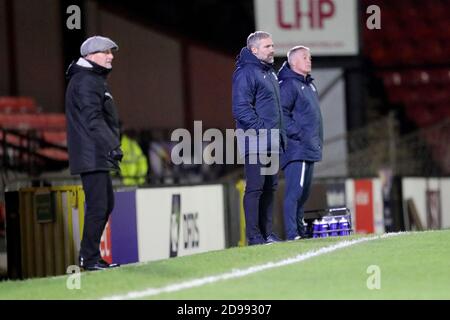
<point x="305" y="228"/>
<point x="324" y="228"/>
<point x="344" y="226"/>
<point x="333" y="227"/>
<point x="316" y="229"/>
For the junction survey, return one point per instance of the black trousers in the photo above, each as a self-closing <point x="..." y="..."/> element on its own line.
<point x="99" y="198"/>
<point x="258" y="202"/>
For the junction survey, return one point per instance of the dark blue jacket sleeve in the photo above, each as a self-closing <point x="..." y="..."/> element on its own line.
<point x="243" y="101"/>
<point x="288" y="95"/>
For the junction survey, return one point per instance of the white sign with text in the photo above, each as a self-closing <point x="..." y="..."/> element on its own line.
<point x="179" y="221"/>
<point x="327" y="27"/>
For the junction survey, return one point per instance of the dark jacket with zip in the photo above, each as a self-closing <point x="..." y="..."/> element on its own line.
<point x="302" y="116"/>
<point x="256" y="104"/>
<point x="92" y="121"/>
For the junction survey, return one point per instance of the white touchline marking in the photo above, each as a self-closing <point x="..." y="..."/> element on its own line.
<point x="236" y="273"/>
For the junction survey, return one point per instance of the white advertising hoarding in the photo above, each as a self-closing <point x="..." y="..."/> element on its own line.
<point x="179" y="221"/>
<point x="430" y="201"/>
<point x="445" y="189"/>
<point x="328" y="27"/>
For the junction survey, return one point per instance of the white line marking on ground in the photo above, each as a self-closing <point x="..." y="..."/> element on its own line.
<point x="242" y="273"/>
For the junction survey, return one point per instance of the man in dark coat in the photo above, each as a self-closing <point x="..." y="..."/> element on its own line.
<point x="303" y="123"/>
<point x="257" y="111"/>
<point x="93" y="138"/>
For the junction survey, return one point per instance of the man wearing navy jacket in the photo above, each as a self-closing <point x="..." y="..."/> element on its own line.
<point x="303" y="122"/>
<point x="257" y="111"/>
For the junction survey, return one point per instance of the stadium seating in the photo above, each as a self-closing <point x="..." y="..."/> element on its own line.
<point x="55" y="137"/>
<point x="411" y="55"/>
<point x="25" y="129"/>
<point x="413" y="33"/>
<point x="17" y="105"/>
<point x="53" y="154"/>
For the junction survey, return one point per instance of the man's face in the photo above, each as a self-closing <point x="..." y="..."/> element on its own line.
<point x="264" y="50"/>
<point x="302" y="62"/>
<point x="103" y="58"/>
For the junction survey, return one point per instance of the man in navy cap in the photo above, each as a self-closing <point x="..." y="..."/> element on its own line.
<point x="93" y="138"/>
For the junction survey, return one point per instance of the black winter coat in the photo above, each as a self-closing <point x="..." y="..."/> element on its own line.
<point x="92" y="121"/>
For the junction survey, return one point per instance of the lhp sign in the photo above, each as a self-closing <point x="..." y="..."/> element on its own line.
<point x="328" y="27"/>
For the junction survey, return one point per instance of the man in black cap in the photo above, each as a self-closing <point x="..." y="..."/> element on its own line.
<point x="93" y="138"/>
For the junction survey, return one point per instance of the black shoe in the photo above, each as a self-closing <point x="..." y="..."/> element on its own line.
<point x="95" y="267"/>
<point x="272" y="239"/>
<point x="256" y="241"/>
<point x="108" y="265"/>
<point x="100" y="265"/>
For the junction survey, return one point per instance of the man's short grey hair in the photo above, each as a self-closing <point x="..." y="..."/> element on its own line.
<point x="293" y="50"/>
<point x="254" y="37"/>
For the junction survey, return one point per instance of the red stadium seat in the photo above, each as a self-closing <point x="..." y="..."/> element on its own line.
<point x="422" y="114"/>
<point x="392" y="78"/>
<point x="398" y="94"/>
<point x="381" y="54"/>
<point x="55" y="120"/>
<point x="27" y="104"/>
<point x="415" y="77"/>
<point x="440" y="76"/>
<point x="55" y="137"/>
<point x="33" y="121"/>
<point x="55" y="154"/>
<point x="422" y="30"/>
<point x="414" y="32"/>
<point x="434" y="10"/>
<point x="17" y="105"/>
<point x="446" y="48"/>
<point x="443" y="110"/>
<point x="407" y="53"/>
<point x="393" y="31"/>
<point x="12" y="139"/>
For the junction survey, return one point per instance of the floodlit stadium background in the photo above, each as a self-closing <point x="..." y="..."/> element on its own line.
<point x="381" y="67"/>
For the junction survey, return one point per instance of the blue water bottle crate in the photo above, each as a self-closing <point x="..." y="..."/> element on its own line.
<point x="330" y="222"/>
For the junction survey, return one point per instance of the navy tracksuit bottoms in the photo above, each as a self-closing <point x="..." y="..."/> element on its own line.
<point x="298" y="177"/>
<point x="258" y="203"/>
